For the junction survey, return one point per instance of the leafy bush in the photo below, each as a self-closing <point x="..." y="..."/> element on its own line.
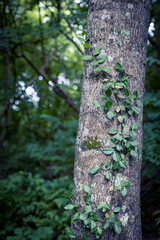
<point x="33" y="208"/>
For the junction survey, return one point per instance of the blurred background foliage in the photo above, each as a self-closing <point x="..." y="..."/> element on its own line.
<point x="40" y="71"/>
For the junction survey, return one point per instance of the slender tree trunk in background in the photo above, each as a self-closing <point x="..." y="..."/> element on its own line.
<point x="120" y="28"/>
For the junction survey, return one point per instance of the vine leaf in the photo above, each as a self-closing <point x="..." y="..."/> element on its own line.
<point x="108" y="151"/>
<point x="122" y="164"/>
<point x="106" y="225"/>
<point x="94" y="170"/>
<point x="94" y="63"/>
<point x="103" y="205"/>
<point x="133" y="153"/>
<point x="124" y="191"/>
<point x="112" y="131"/>
<point x="87" y="45"/>
<point x="87" y="189"/>
<point x="115" y="156"/>
<point x="97" y="51"/>
<point x="69" y="207"/>
<point x="108" y="165"/>
<point x="116" y="209"/>
<point x="108" y="175"/>
<point x="106" y="69"/>
<point x="111" y="114"/>
<point x="108" y="92"/>
<point x="102" y="58"/>
<point x="117" y="227"/>
<point x="97" y="69"/>
<point x="136" y="110"/>
<point x="84" y="216"/>
<point x="108" y="104"/>
<point x="87" y="57"/>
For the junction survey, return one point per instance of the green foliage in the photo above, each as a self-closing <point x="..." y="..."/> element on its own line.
<point x="32" y="207"/>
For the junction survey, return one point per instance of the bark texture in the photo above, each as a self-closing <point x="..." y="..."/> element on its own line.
<point x="120" y="28"/>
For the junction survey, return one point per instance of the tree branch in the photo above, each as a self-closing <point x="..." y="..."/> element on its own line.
<point x="57" y="89"/>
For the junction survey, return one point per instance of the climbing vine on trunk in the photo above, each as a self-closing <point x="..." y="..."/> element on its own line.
<point x="117" y="102"/>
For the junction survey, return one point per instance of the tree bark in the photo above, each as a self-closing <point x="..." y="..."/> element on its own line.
<point x="120" y="28"/>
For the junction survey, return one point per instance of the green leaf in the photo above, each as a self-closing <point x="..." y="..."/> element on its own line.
<point x="133" y="153"/>
<point x="94" y="170"/>
<point x="72" y="193"/>
<point x="96" y="104"/>
<point x="112" y="218"/>
<point x="108" y="151"/>
<point x="116" y="165"/>
<point x="134" y="125"/>
<point x="122" y="164"/>
<point x="108" y="92"/>
<point x="124" y="191"/>
<point x="117" y="227"/>
<point x="87" y="57"/>
<point x="103" y="205"/>
<point x="133" y="134"/>
<point x="80" y="38"/>
<point x="119" y="85"/>
<point x="87" y="189"/>
<point x="99" y="230"/>
<point x="96" y="51"/>
<point x="108" y="174"/>
<point x="111" y="114"/>
<point x="136" y="110"/>
<point x="121" y="96"/>
<point x="108" y="165"/>
<point x="116" y="209"/>
<point x="70" y="234"/>
<point x="69" y="207"/>
<point x="94" y="216"/>
<point x="109" y="104"/>
<point x="135" y="93"/>
<point x="115" y="156"/>
<point x="118" y="66"/>
<point x="121" y="118"/>
<point x="134" y="143"/>
<point x="94" y="63"/>
<point x="87" y="45"/>
<point x="112" y="131"/>
<point x="93" y="224"/>
<point x="85" y="236"/>
<point x="106" y="69"/>
<point x="88" y="37"/>
<point x="83" y="216"/>
<point x="122" y="107"/>
<point x="102" y="58"/>
<point x="87" y="221"/>
<point x="103" y="102"/>
<point x="139" y="103"/>
<point x="87" y="200"/>
<point x="88" y="209"/>
<point x="76" y="217"/>
<point x="106" y="225"/>
<point x="126" y="92"/>
<point x="97" y="69"/>
<point x="119" y="147"/>
<point x="125" y="184"/>
<point x="118" y="136"/>
<point x="116" y="188"/>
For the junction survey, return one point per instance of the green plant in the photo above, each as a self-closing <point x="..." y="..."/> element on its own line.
<point x="124" y="143"/>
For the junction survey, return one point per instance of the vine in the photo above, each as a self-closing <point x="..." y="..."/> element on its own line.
<point x="124" y="143"/>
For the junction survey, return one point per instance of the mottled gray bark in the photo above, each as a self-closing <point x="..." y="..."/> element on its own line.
<point x="120" y="28"/>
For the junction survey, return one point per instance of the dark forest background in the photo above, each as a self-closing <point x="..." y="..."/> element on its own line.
<point x="40" y="72"/>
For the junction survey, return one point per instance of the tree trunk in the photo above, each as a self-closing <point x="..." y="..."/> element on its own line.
<point x="120" y="28"/>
